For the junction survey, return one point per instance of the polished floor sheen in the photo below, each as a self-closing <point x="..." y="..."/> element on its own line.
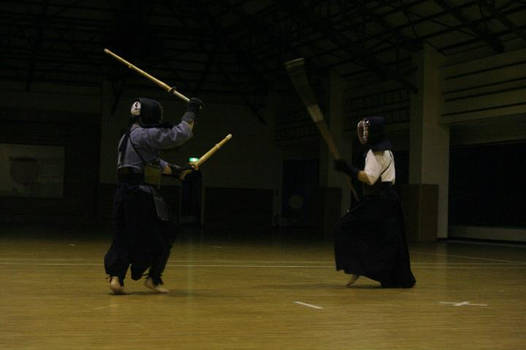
<point x="272" y="295"/>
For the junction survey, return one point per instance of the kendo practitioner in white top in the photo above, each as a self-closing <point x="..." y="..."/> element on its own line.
<point x="370" y="239"/>
<point x="142" y="220"/>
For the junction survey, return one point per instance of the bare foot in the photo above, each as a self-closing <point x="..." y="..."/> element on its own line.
<point x="116" y="286"/>
<point x="354" y="278"/>
<point x="155" y="287"/>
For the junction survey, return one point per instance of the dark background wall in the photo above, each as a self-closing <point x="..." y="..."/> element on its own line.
<point x="59" y="88"/>
<point x="80" y="136"/>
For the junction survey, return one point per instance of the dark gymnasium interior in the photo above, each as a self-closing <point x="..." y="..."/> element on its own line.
<point x="253" y="261"/>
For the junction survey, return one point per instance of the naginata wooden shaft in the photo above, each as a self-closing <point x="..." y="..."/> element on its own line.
<point x="162" y="84"/>
<point x="298" y="76"/>
<point x="213" y="150"/>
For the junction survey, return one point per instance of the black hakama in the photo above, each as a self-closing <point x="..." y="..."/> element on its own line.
<point x="140" y="238"/>
<point x="370" y="240"/>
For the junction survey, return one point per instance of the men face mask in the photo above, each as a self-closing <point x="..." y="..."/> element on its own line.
<point x="147" y="111"/>
<point x="363" y="131"/>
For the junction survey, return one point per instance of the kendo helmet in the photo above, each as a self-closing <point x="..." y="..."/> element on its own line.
<point x="146" y="112"/>
<point x="371" y="132"/>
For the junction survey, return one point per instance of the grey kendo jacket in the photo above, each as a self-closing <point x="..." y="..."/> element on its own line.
<point x="149" y="142"/>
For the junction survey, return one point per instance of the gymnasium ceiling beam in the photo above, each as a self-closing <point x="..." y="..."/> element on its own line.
<point x="490" y="7"/>
<point x="340" y="40"/>
<point x="479" y="30"/>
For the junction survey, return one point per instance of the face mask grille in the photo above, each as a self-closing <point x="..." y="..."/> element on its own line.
<point x="136" y="109"/>
<point x="363" y="131"/>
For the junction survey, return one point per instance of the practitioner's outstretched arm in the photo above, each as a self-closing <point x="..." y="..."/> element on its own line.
<point x="355" y="173"/>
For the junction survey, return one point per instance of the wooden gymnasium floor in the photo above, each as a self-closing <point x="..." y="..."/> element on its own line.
<point x="274" y="295"/>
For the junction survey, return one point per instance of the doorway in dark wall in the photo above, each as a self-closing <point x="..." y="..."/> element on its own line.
<point x="486" y="185"/>
<point x="401" y="167"/>
<point x="191" y="198"/>
<point x="300" y="183"/>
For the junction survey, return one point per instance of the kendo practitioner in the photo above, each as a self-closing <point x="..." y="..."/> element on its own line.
<point x="141" y="218"/>
<point x="370" y="239"/>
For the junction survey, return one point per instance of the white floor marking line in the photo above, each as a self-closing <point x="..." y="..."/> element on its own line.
<point x="468" y="267"/>
<point x="177" y="261"/>
<point x="106" y="307"/>
<point x="48" y="264"/>
<point x="471" y="263"/>
<point x="503" y="244"/>
<point x="461" y="303"/>
<point x="308" y="305"/>
<point x="251" y="263"/>
<point x="254" y="266"/>
<point x="176" y="265"/>
<point x="466" y="257"/>
<point x="42" y="259"/>
<point x="419" y="266"/>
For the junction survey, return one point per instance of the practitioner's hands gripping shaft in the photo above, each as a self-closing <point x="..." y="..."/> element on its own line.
<point x="342" y="166"/>
<point x="192" y="110"/>
<point x="177" y="170"/>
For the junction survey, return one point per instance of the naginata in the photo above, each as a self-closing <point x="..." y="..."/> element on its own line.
<point x="142" y="220"/>
<point x="370" y="239"/>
